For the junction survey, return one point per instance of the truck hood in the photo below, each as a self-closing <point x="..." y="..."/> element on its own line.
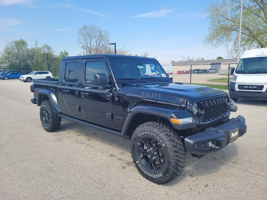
<point x="172" y="93"/>
<point x="251" y="78"/>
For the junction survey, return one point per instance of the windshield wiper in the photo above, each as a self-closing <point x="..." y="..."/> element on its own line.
<point x="243" y="72"/>
<point x="251" y="72"/>
<point x="161" y="79"/>
<point x="126" y="79"/>
<point x="259" y="72"/>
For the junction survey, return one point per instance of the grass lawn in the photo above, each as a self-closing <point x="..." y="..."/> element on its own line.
<point x="221" y="87"/>
<point x="222" y="80"/>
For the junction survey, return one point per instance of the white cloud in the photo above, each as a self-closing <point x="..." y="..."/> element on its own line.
<point x="14" y="2"/>
<point x="85" y="10"/>
<point x="155" y="14"/>
<point x="5" y="24"/>
<point x="63" y="29"/>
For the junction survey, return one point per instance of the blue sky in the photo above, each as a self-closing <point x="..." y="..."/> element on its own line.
<point x="169" y="29"/>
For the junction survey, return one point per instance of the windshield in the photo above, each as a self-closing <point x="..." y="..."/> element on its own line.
<point x="132" y="68"/>
<point x="257" y="65"/>
<point x="31" y="73"/>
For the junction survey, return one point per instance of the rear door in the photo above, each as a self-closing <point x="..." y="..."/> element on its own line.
<point x="69" y="89"/>
<point x="43" y="75"/>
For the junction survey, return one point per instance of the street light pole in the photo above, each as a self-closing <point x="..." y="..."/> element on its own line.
<point x="114" y="44"/>
<point x="240" y="27"/>
<point x="47" y="62"/>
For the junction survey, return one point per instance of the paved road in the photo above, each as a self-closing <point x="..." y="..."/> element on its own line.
<point x="78" y="163"/>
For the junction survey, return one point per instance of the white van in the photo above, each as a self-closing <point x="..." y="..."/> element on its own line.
<point x="250" y="77"/>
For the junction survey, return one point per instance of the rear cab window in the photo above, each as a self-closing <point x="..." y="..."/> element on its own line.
<point x="73" y="72"/>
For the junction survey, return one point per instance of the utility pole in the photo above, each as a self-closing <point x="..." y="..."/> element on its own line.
<point x="240" y="27"/>
<point x="47" y="61"/>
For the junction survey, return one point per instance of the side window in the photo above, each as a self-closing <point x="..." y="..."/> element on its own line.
<point x="240" y="66"/>
<point x="92" y="68"/>
<point x="72" y="72"/>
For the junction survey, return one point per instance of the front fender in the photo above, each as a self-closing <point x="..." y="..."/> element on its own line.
<point x="158" y="112"/>
<point x="46" y="93"/>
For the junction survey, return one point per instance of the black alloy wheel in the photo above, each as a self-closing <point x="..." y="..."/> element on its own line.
<point x="49" y="117"/>
<point x="158" y="152"/>
<point x="151" y="153"/>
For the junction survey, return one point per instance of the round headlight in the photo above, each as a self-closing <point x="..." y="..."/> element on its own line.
<point x="234" y="77"/>
<point x="183" y="102"/>
<point x="197" y="109"/>
<point x="194" y="109"/>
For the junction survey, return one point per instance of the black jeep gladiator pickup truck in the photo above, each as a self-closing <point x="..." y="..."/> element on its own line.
<point x="133" y="97"/>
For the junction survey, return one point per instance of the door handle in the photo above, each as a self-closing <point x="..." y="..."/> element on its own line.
<point x="85" y="93"/>
<point x="65" y="91"/>
<point x="108" y="96"/>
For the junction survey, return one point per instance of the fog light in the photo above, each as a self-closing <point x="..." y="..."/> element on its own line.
<point x="207" y="145"/>
<point x="233" y="106"/>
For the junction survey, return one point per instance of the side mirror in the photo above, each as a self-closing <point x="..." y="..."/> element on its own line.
<point x="232" y="70"/>
<point x="100" y="79"/>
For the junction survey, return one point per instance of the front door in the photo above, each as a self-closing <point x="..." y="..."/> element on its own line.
<point x="96" y="103"/>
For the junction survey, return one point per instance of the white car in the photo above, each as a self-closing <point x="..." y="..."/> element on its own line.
<point x="36" y="75"/>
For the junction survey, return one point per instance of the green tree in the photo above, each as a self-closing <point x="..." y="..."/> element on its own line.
<point x="224" y="18"/>
<point x="15" y="56"/>
<point x="37" y="59"/>
<point x="63" y="54"/>
<point x="56" y="62"/>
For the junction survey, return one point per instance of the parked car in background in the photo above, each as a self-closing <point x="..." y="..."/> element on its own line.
<point x="2" y="72"/>
<point x="204" y="71"/>
<point x="11" y="75"/>
<point x="36" y="75"/>
<point x="211" y="71"/>
<point x="197" y="71"/>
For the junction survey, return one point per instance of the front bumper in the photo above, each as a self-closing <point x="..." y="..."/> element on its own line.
<point x="234" y="92"/>
<point x="215" y="138"/>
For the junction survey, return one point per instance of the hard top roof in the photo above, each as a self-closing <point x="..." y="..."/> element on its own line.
<point x="102" y="56"/>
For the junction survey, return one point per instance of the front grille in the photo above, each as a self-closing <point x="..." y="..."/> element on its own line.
<point x="213" y="109"/>
<point x="250" y="87"/>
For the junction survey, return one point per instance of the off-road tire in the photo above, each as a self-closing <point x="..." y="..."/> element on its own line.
<point x="48" y="116"/>
<point x="157" y="152"/>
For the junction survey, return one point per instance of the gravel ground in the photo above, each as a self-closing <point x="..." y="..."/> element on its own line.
<point x="78" y="163"/>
